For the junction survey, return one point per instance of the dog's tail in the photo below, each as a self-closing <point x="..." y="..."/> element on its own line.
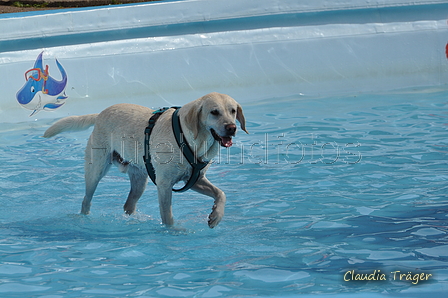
<point x="72" y="123"/>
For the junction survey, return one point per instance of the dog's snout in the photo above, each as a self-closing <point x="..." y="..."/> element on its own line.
<point x="230" y="129"/>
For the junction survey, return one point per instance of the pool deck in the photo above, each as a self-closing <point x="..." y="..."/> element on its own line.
<point x="7" y="6"/>
<point x="252" y="49"/>
<point x="71" y="3"/>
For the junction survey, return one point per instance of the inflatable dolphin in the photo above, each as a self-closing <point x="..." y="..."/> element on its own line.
<point x="42" y="92"/>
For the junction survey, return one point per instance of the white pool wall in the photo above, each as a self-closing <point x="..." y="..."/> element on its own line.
<point x="171" y="52"/>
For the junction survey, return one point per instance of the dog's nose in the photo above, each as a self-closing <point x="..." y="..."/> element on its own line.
<point x="230" y="129"/>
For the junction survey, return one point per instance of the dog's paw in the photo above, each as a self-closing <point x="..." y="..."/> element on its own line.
<point x="129" y="209"/>
<point x="215" y="217"/>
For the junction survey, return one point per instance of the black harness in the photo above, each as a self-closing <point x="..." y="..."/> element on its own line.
<point x="196" y="165"/>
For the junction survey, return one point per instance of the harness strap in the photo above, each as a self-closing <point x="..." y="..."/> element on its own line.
<point x="196" y="165"/>
<point x="188" y="153"/>
<point x="148" y="131"/>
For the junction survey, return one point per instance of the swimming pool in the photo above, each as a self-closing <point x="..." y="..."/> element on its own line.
<point x="321" y="190"/>
<point x="340" y="179"/>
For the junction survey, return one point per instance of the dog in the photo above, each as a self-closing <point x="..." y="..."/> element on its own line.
<point x="118" y="138"/>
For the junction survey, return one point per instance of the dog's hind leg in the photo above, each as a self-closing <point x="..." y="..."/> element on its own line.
<point x="97" y="164"/>
<point x="139" y="179"/>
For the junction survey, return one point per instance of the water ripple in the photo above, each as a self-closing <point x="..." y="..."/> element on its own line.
<point x="319" y="187"/>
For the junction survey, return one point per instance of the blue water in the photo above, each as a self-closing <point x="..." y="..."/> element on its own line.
<point x="319" y="188"/>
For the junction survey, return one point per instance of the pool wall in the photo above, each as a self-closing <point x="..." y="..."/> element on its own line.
<point x="171" y="52"/>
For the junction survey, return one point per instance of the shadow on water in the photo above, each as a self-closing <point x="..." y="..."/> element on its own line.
<point x="77" y="227"/>
<point x="421" y="227"/>
<point x="416" y="240"/>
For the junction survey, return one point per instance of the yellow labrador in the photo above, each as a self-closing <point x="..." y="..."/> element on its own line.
<point x="119" y="137"/>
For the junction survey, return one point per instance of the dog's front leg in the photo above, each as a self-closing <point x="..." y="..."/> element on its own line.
<point x="165" y="195"/>
<point x="205" y="187"/>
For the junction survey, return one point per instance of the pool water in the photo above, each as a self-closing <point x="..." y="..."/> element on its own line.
<point x="321" y="188"/>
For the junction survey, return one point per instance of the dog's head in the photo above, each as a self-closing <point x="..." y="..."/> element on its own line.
<point x="215" y="113"/>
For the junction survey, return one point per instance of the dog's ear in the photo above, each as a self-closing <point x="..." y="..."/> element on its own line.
<point x="193" y="121"/>
<point x="240" y="118"/>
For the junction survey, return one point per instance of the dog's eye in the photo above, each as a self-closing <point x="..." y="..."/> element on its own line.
<point x="233" y="111"/>
<point x="215" y="113"/>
